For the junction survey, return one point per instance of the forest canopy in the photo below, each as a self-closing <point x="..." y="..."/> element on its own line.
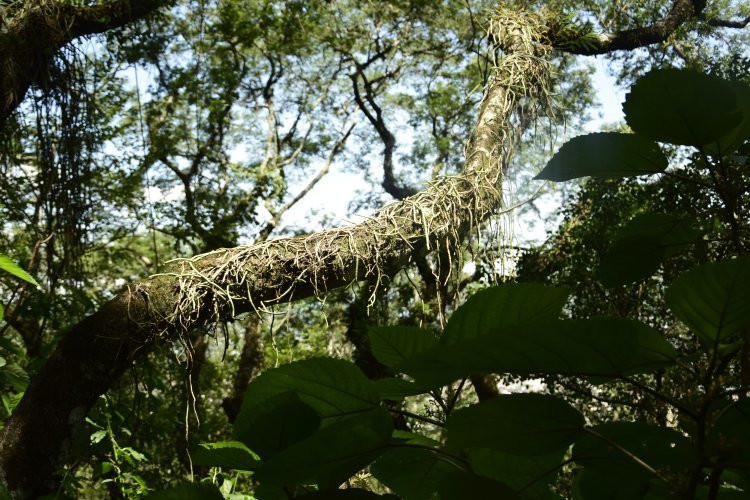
<point x="176" y="321"/>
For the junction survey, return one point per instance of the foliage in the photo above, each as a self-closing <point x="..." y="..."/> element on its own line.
<point x="331" y="421"/>
<point x="197" y="129"/>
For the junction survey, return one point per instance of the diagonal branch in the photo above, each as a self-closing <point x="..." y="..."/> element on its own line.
<point x="370" y="108"/>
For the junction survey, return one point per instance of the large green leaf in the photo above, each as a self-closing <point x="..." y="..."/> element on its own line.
<point x="613" y="445"/>
<point x="334" y="388"/>
<point x="11" y="267"/>
<point x="713" y="299"/>
<point x="413" y="473"/>
<point x="605" y="155"/>
<point x="682" y="107"/>
<point x="617" y="485"/>
<point x="227" y="454"/>
<point x="465" y="485"/>
<point x="398" y="388"/>
<point x="188" y="491"/>
<point x="332" y="454"/>
<point x="607" y="347"/>
<point x="629" y="260"/>
<point x="729" y="142"/>
<point x="393" y="344"/>
<point x="729" y="437"/>
<point x="530" y="476"/>
<point x="282" y="420"/>
<point x="502" y="306"/>
<point x="519" y="424"/>
<point x="642" y="244"/>
<point x="618" y="457"/>
<point x="270" y="492"/>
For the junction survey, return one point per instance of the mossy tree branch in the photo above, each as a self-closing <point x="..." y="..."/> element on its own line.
<point x="32" y="34"/>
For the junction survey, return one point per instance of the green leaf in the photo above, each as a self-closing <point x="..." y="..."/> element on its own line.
<point x="270" y="492"/>
<point x="713" y="299"/>
<point x="519" y="424"/>
<point x="630" y="259"/>
<point x="188" y="491"/>
<point x="605" y="155"/>
<point x="465" y="485"/>
<point x="9" y="346"/>
<point x="503" y="306"/>
<point x="641" y="246"/>
<point x="11" y="267"/>
<point x="226" y="454"/>
<point x="617" y="458"/>
<point x="729" y="438"/>
<point x="613" y="445"/>
<point x="673" y="231"/>
<point x="401" y="438"/>
<point x="606" y="347"/>
<point x="412" y="473"/>
<point x="15" y="376"/>
<point x="617" y="485"/>
<point x="682" y="107"/>
<point x="533" y="475"/>
<point x="282" y="420"/>
<point x="2" y="311"/>
<point x="332" y="454"/>
<point x="334" y="388"/>
<point x="733" y="139"/>
<point x="397" y="388"/>
<point x="394" y="344"/>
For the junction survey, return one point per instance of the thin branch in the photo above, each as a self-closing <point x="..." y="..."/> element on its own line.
<point x="417" y="417"/>
<point x="727" y="23"/>
<point x="681" y="11"/>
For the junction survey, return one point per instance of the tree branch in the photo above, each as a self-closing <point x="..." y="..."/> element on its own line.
<point x="726" y="23"/>
<point x="37" y="30"/>
<point x="681" y="11"/>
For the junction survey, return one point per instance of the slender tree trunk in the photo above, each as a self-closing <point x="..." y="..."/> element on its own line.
<point x="250" y="364"/>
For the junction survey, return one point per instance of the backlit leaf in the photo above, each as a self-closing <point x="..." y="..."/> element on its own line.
<point x="713" y="299"/>
<point x="11" y="267"/>
<point x="519" y="424"/>
<point x="682" y="107"/>
<point x="501" y="306"/>
<point x="392" y="345"/>
<point x="604" y="155"/>
<point x="227" y="454"/>
<point x="334" y="388"/>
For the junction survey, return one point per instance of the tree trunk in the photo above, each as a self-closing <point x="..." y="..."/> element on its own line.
<point x="251" y="362"/>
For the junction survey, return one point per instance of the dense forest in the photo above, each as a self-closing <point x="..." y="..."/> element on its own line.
<point x="178" y="320"/>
